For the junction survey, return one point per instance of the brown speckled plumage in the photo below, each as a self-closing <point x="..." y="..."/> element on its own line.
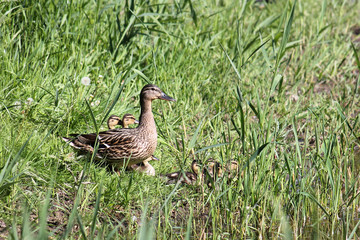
<point x="184" y="177"/>
<point x="126" y="145"/>
<point x="209" y="173"/>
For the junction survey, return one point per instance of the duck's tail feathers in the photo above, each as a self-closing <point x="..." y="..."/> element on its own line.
<point x="77" y="144"/>
<point x="66" y="139"/>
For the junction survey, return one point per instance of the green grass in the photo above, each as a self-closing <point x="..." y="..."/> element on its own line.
<point x="272" y="86"/>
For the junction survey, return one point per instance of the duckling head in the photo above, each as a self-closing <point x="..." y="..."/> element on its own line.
<point x="152" y="92"/>
<point x="113" y="121"/>
<point x="128" y="119"/>
<point x="195" y="167"/>
<point x="234" y="166"/>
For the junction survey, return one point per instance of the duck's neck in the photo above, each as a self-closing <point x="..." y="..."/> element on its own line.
<point x="146" y="116"/>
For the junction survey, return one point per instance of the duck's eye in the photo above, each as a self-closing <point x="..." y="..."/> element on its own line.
<point x="153" y="89"/>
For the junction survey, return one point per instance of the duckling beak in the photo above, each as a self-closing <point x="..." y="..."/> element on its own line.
<point x="136" y="121"/>
<point x="166" y="97"/>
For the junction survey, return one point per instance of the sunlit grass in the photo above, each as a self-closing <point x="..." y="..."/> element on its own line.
<point x="273" y="86"/>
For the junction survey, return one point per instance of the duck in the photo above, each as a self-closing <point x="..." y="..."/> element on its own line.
<point x="184" y="177"/>
<point x="211" y="172"/>
<point x="113" y="121"/>
<point x="234" y="172"/>
<point x="144" y="167"/>
<point x="125" y="146"/>
<point x="214" y="168"/>
<point x="127" y="120"/>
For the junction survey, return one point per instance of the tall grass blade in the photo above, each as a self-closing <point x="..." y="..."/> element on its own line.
<point x="266" y="22"/>
<point x="92" y="116"/>
<point x="278" y="78"/>
<point x="210" y="147"/>
<point x="286" y="35"/>
<point x="194" y="137"/>
<point x="188" y="227"/>
<point x="242" y="118"/>
<point x="193" y="13"/>
<point x="253" y="52"/>
<point x="9" y="165"/>
<point x="43" y="232"/>
<point x="254" y="155"/>
<point x="316" y="201"/>
<point x="231" y="62"/>
<point x="26" y="231"/>
<point x="353" y="232"/>
<point x="358" y="65"/>
<point x="96" y="209"/>
<point x="146" y="230"/>
<point x="81" y="226"/>
<point x="298" y="151"/>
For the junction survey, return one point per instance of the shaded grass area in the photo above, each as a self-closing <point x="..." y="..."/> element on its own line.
<point x="273" y="86"/>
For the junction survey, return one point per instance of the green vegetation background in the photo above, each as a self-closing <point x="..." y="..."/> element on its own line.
<point x="273" y="86"/>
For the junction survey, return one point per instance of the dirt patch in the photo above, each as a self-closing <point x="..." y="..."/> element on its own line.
<point x="4" y="232"/>
<point x="59" y="211"/>
<point x="323" y="87"/>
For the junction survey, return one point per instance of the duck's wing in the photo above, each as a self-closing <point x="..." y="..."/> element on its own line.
<point x="113" y="144"/>
<point x="124" y="143"/>
<point x="116" y="138"/>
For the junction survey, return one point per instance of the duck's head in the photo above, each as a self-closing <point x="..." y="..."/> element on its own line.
<point x="151" y="92"/>
<point x="195" y="167"/>
<point x="128" y="119"/>
<point x="113" y="121"/>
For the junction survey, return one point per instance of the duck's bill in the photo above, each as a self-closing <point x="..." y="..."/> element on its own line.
<point x="154" y="158"/>
<point x="167" y="98"/>
<point x="136" y="121"/>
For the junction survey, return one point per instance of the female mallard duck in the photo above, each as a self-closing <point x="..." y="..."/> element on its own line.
<point x="126" y="145"/>
<point x="127" y="120"/>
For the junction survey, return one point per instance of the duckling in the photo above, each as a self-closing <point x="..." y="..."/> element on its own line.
<point x="214" y="168"/>
<point x="128" y="119"/>
<point x="124" y="122"/>
<point x="234" y="171"/>
<point x="125" y="145"/>
<point x="184" y="177"/>
<point x="212" y="172"/>
<point x="113" y="121"/>
<point x="144" y="167"/>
